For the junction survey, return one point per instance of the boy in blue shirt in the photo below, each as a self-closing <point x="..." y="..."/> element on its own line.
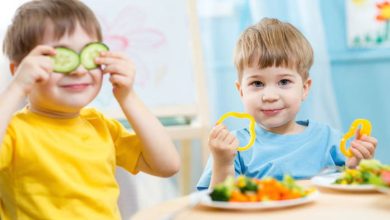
<point x="273" y="60"/>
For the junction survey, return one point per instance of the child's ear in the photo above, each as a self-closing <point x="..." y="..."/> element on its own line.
<point x="238" y="87"/>
<point x="306" y="88"/>
<point x="12" y="67"/>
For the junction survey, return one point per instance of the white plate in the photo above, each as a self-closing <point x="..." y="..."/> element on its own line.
<point x="206" y="201"/>
<point x="327" y="181"/>
<point x="385" y="190"/>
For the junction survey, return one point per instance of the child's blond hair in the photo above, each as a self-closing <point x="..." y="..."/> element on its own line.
<point x="32" y="19"/>
<point x="273" y="43"/>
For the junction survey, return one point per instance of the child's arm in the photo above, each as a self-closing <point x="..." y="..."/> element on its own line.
<point x="159" y="156"/>
<point x="34" y="68"/>
<point x="362" y="148"/>
<point x="223" y="146"/>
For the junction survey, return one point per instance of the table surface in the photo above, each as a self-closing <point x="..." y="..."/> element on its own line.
<point x="330" y="204"/>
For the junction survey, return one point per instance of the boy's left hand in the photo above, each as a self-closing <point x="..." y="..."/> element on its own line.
<point x="121" y="70"/>
<point x="363" y="147"/>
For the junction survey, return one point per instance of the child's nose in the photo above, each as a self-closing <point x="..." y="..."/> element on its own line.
<point x="79" y="71"/>
<point x="269" y="95"/>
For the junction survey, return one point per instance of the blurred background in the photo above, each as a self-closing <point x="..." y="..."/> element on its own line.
<point x="350" y="71"/>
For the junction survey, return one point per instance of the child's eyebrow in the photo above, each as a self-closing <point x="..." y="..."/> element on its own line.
<point x="255" y="76"/>
<point x="286" y="75"/>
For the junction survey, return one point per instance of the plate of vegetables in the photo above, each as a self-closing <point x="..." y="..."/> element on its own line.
<point x="368" y="176"/>
<point x="244" y="193"/>
<point x="384" y="186"/>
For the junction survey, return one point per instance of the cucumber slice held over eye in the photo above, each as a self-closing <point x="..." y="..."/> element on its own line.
<point x="65" y="60"/>
<point x="90" y="52"/>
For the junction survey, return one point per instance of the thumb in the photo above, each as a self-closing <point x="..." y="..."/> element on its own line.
<point x="352" y="162"/>
<point x="358" y="135"/>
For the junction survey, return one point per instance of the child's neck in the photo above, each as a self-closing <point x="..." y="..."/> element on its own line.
<point x="290" y="128"/>
<point x="51" y="113"/>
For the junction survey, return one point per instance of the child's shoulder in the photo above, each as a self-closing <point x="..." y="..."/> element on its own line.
<point x="317" y="126"/>
<point x="91" y="113"/>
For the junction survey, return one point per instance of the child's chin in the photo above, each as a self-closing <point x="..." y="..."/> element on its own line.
<point x="76" y="105"/>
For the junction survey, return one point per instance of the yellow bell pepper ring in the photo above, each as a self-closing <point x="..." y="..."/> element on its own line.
<point x="251" y="127"/>
<point x="365" y="129"/>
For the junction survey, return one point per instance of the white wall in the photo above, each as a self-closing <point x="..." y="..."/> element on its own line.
<point x="7" y="10"/>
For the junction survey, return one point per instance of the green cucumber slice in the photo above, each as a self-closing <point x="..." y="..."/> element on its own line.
<point x="65" y="60"/>
<point x="90" y="52"/>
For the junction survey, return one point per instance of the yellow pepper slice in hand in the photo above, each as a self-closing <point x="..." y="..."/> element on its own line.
<point x="251" y="126"/>
<point x="365" y="129"/>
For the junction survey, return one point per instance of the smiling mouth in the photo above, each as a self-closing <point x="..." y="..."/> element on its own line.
<point x="76" y="87"/>
<point x="271" y="112"/>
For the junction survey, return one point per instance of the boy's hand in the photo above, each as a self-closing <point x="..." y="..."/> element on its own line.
<point x="363" y="147"/>
<point x="34" y="68"/>
<point x="121" y="70"/>
<point x="223" y="145"/>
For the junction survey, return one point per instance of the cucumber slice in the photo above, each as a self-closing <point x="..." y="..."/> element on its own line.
<point x="65" y="60"/>
<point x="90" y="52"/>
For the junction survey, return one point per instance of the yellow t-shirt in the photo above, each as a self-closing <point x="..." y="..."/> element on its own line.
<point x="64" y="168"/>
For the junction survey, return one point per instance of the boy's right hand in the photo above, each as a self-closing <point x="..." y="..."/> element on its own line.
<point x="34" y="68"/>
<point x="223" y="145"/>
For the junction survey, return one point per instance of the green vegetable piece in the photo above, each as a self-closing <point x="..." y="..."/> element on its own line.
<point x="223" y="191"/>
<point x="249" y="186"/>
<point x="65" y="60"/>
<point x="220" y="193"/>
<point x="90" y="52"/>
<point x="229" y="182"/>
<point x="376" y="180"/>
<point x="373" y="166"/>
<point x="289" y="183"/>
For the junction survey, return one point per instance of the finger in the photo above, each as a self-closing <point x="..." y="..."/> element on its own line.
<point x="107" y="60"/>
<point x="118" y="80"/>
<point x="216" y="130"/>
<point x="42" y="78"/>
<point x="112" y="54"/>
<point x="213" y="132"/>
<point x="43" y="50"/>
<point x="361" y="148"/>
<point x="356" y="153"/>
<point x="230" y="138"/>
<point x="43" y="68"/>
<point x="352" y="162"/>
<point x="223" y="134"/>
<point x="46" y="63"/>
<point x="235" y="143"/>
<point x="117" y="69"/>
<point x="369" y="139"/>
<point x="370" y="147"/>
<point x="121" y="80"/>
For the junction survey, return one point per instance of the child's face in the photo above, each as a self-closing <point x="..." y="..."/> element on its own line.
<point x="67" y="93"/>
<point x="273" y="96"/>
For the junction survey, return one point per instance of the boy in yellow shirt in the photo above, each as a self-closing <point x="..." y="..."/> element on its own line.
<point x="57" y="158"/>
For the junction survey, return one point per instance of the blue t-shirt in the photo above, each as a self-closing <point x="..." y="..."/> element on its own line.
<point x="300" y="155"/>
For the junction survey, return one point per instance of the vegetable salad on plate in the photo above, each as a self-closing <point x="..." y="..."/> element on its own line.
<point x="245" y="189"/>
<point x="370" y="172"/>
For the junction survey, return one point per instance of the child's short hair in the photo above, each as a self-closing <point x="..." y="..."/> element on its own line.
<point x="32" y="19"/>
<point x="273" y="43"/>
